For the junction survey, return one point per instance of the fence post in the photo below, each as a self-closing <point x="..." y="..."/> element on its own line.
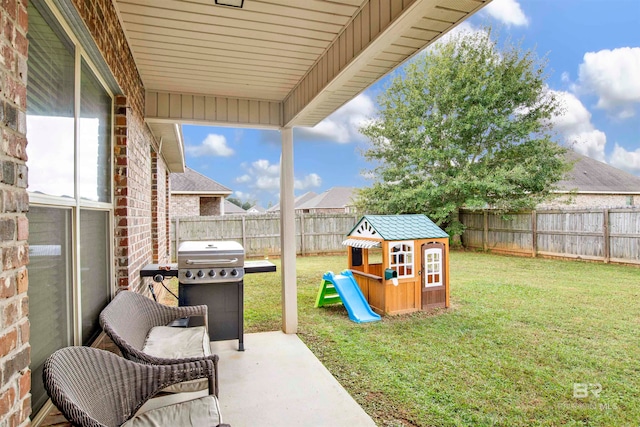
<point x="534" y="233"/>
<point x="244" y="233"/>
<point x="485" y="231"/>
<point x="302" y="249"/>
<point x="605" y="234"/>
<point x="177" y="237"/>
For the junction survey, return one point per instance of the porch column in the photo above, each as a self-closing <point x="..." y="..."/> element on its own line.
<point x="288" y="236"/>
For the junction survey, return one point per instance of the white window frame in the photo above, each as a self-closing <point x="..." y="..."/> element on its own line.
<point x="407" y="250"/>
<point x="429" y="271"/>
<point x="78" y="203"/>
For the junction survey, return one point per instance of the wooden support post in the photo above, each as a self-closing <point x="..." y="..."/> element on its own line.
<point x="605" y="235"/>
<point x="485" y="231"/>
<point x="534" y="233"/>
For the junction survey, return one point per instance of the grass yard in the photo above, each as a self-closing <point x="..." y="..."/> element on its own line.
<point x="520" y="334"/>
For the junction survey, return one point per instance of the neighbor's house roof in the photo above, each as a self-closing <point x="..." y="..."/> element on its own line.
<point x="230" y="208"/>
<point x="397" y="227"/>
<point x="333" y="198"/>
<point x="192" y="182"/>
<point x="256" y="209"/>
<point x="296" y="202"/>
<point x="591" y="176"/>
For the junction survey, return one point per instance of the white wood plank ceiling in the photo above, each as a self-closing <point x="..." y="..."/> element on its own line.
<point x="274" y="63"/>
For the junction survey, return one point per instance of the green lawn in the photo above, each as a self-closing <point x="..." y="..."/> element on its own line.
<point x="520" y="333"/>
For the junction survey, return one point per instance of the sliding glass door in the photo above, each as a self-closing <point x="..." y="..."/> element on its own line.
<point x="69" y="133"/>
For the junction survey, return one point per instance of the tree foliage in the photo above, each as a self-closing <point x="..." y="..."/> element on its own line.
<point x="468" y="124"/>
<point x="244" y="205"/>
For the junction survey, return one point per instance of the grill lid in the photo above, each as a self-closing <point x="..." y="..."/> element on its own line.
<point x="209" y="248"/>
<point x="210" y="254"/>
<point x="210" y="262"/>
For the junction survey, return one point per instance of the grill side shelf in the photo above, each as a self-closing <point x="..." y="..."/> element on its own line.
<point x="259" y="267"/>
<point x="167" y="270"/>
<point x="171" y="270"/>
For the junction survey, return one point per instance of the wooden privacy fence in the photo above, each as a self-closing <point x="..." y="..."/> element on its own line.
<point x="260" y="234"/>
<point x="609" y="235"/>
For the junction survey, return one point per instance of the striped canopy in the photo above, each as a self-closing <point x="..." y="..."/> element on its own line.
<point x="357" y="243"/>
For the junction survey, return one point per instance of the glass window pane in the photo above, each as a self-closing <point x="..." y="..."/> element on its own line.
<point x="50" y="127"/>
<point x="95" y="139"/>
<point x="49" y="291"/>
<point x="95" y="272"/>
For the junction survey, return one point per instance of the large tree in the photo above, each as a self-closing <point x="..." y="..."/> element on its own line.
<point x="466" y="124"/>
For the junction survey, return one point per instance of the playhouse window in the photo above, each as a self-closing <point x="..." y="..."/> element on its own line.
<point x="401" y="258"/>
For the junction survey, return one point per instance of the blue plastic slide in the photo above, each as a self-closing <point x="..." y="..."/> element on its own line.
<point x="351" y="296"/>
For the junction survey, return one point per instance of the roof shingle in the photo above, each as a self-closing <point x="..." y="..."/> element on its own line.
<point x="402" y="227"/>
<point x="194" y="182"/>
<point x="589" y="175"/>
<point x="333" y="198"/>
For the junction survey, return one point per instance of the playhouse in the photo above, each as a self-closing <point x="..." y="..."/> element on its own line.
<point x="400" y="262"/>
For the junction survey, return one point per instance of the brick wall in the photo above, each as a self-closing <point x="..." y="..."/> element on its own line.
<point x="135" y="212"/>
<point x="592" y="201"/>
<point x="15" y="378"/>
<point x="328" y="211"/>
<point x="210" y="206"/>
<point x="184" y="205"/>
<point x="159" y="213"/>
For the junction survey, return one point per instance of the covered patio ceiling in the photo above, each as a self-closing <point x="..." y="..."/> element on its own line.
<point x="271" y="63"/>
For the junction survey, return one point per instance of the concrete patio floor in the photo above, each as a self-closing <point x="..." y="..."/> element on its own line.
<point x="278" y="381"/>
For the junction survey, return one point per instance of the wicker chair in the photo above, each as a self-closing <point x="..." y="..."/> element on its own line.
<point x="97" y="388"/>
<point x="129" y="318"/>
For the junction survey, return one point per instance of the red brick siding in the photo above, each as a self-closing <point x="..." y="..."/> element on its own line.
<point x="15" y="377"/>
<point x="167" y="213"/>
<point x="135" y="212"/>
<point x="158" y="209"/>
<point x="185" y="205"/>
<point x="210" y="206"/>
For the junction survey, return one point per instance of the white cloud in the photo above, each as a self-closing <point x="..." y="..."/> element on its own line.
<point x="263" y="176"/>
<point x="213" y="145"/>
<point x="312" y="180"/>
<point x="343" y="125"/>
<point x="576" y="128"/>
<point x="264" y="167"/>
<point x="589" y="143"/>
<point x="613" y="76"/>
<point x="626" y="160"/>
<point x="241" y="195"/>
<point x="507" y="12"/>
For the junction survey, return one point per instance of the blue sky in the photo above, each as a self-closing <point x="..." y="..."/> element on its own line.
<point x="593" y="51"/>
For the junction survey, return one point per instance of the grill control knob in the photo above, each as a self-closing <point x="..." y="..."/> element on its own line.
<point x="234" y="272"/>
<point x="188" y="274"/>
<point x="200" y="273"/>
<point x="223" y="273"/>
<point x="212" y="273"/>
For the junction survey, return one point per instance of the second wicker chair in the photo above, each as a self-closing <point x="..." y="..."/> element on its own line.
<point x="95" y="388"/>
<point x="132" y="321"/>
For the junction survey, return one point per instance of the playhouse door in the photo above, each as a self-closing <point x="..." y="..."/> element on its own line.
<point x="433" y="280"/>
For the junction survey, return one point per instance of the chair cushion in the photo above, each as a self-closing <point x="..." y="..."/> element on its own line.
<point x="198" y="412"/>
<point x="179" y="343"/>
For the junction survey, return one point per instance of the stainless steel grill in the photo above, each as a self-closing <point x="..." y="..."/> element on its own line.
<point x="210" y="262"/>
<point x="212" y="273"/>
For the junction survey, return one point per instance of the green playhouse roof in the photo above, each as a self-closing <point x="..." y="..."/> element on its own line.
<point x="401" y="227"/>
